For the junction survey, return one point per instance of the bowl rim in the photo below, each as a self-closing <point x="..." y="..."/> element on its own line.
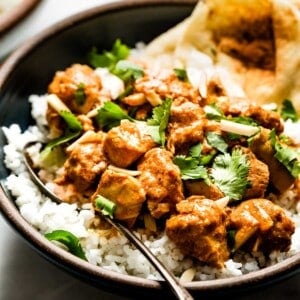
<point x="9" y="19"/>
<point x="62" y="258"/>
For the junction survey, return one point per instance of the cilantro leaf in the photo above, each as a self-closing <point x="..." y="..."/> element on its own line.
<point x="213" y="112"/>
<point x="73" y="124"/>
<point x="127" y="71"/>
<point x="110" y="115"/>
<point x="106" y="206"/>
<point x="181" y="74"/>
<point x="244" y="120"/>
<point x="216" y="141"/>
<point x="203" y="159"/>
<point x="160" y="118"/>
<point x="195" y="150"/>
<point x="80" y="94"/>
<point x="230" y="172"/>
<point x="73" y="130"/>
<point x="69" y="240"/>
<point x="190" y="168"/>
<point x="286" y="155"/>
<point x="109" y="59"/>
<point x="288" y="111"/>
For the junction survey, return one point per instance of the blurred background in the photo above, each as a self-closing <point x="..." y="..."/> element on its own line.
<point x="23" y="273"/>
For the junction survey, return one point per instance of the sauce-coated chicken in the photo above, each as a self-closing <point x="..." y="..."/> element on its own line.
<point x="199" y="230"/>
<point x="124" y="190"/>
<point x="126" y="143"/>
<point x="161" y="180"/>
<point x="261" y="225"/>
<point x="261" y="146"/>
<point x="85" y="162"/>
<point x="77" y="78"/>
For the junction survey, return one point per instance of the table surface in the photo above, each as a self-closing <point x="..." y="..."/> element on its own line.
<point x="22" y="270"/>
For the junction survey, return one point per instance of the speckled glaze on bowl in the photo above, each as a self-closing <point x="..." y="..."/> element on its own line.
<point x="16" y="14"/>
<point x="28" y="71"/>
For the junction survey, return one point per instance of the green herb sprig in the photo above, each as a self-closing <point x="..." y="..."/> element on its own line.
<point x="73" y="130"/>
<point x="69" y="240"/>
<point x="106" y="206"/>
<point x="111" y="114"/>
<point x="288" y="156"/>
<point x="109" y="59"/>
<point x="192" y="166"/>
<point x="288" y="111"/>
<point x="229" y="172"/>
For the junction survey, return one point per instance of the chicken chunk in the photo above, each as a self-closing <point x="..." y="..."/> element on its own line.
<point x="261" y="146"/>
<point x="161" y="180"/>
<point x="126" y="143"/>
<point x="199" y="230"/>
<point x="86" y="161"/>
<point x="243" y="107"/>
<point x="165" y="84"/>
<point x="261" y="225"/>
<point x="75" y="80"/>
<point x="126" y="191"/>
<point x="187" y="120"/>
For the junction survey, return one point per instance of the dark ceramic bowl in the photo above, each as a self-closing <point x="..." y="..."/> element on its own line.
<point x="29" y="70"/>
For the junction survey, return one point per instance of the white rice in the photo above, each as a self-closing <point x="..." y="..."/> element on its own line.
<point x="114" y="253"/>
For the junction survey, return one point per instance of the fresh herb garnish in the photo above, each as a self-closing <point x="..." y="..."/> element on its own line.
<point x="109" y="59"/>
<point x="213" y="112"/>
<point x="69" y="240"/>
<point x="128" y="71"/>
<point x="106" y="206"/>
<point x="286" y="155"/>
<point x="243" y="120"/>
<point x="181" y="74"/>
<point x="288" y="111"/>
<point x="73" y="129"/>
<point x="191" y="166"/>
<point x="230" y="172"/>
<point x="160" y="119"/>
<point x="110" y="115"/>
<point x="80" y="94"/>
<point x="73" y="124"/>
<point x="216" y="141"/>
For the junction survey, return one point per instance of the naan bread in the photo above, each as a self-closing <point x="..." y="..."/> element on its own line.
<point x="256" y="41"/>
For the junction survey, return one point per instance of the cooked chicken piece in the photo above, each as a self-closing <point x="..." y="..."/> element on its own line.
<point x="160" y="85"/>
<point x="199" y="187"/>
<point x="261" y="225"/>
<point x="161" y="180"/>
<point x="181" y="138"/>
<point x="185" y="126"/>
<point x="261" y="146"/>
<point x="258" y="176"/>
<point x="243" y="107"/>
<point x="126" y="143"/>
<point x="124" y="190"/>
<point x="199" y="230"/>
<point x="75" y="80"/>
<point x="86" y="161"/>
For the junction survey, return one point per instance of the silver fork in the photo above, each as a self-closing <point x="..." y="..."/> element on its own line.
<point x="177" y="288"/>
